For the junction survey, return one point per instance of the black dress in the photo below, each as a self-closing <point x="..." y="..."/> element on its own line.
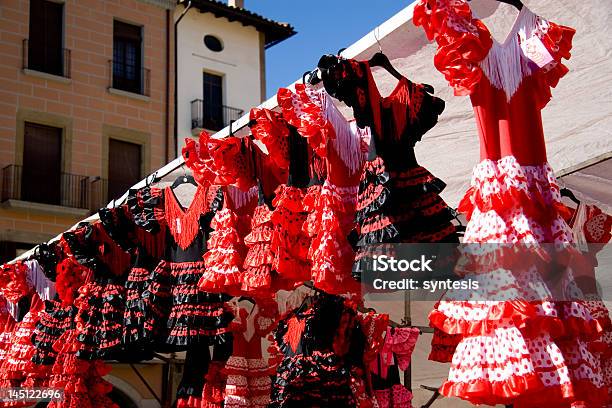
<point x="322" y="344"/>
<point x="398" y="199"/>
<point x="177" y="311"/>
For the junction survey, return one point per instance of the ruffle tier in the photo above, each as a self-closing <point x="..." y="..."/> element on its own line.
<point x="224" y="258"/>
<point x="290" y="244"/>
<point x="259" y="258"/>
<point x="310" y="381"/>
<point x="330" y="212"/>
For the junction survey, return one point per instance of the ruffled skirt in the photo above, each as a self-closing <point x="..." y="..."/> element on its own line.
<point x="395" y="207"/>
<point x="320" y="380"/>
<point x="331" y="212"/>
<point x="519" y="345"/>
<point x="248" y="382"/>
<point x="223" y="260"/>
<point x="179" y="313"/>
<point x="257" y="265"/>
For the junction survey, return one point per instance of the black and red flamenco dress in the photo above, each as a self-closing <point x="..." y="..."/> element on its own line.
<point x="323" y="347"/>
<point x="398" y="200"/>
<point x="180" y="314"/>
<point x="520" y="345"/>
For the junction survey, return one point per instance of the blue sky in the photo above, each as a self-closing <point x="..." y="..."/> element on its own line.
<point x="323" y="26"/>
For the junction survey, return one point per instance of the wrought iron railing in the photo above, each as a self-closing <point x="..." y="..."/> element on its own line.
<point x="40" y="57"/>
<point x="129" y="78"/>
<point x="212" y="117"/>
<point x="64" y="189"/>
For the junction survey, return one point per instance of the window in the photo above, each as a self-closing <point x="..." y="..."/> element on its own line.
<point x="213" y="43"/>
<point x="41" y="174"/>
<point x="213" y="102"/>
<point x="124" y="166"/>
<point x="127" y="57"/>
<point x="45" y="45"/>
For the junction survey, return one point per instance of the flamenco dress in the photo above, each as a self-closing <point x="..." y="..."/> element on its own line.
<point x="331" y="208"/>
<point x="592" y="230"/>
<point x="248" y="372"/>
<point x="521" y="348"/>
<point x="137" y="233"/>
<point x="322" y="345"/>
<point x="177" y="311"/>
<point x="271" y="170"/>
<point x="398" y="200"/>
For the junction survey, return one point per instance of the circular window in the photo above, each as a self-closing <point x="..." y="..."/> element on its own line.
<point x="213" y="43"/>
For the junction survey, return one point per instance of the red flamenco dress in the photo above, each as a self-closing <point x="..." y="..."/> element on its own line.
<point x="248" y="372"/>
<point x="271" y="169"/>
<point x="289" y="244"/>
<point x="520" y="348"/>
<point x="332" y="208"/>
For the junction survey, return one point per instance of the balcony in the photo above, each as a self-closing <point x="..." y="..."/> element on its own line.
<point x="205" y="116"/>
<point x="64" y="190"/>
<point x="129" y="78"/>
<point x="48" y="60"/>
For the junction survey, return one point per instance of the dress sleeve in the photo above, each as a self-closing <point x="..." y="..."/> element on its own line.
<point x="347" y="81"/>
<point x="196" y="158"/>
<point x="271" y="129"/>
<point x="558" y="42"/>
<point x="147" y="208"/>
<point x="423" y="110"/>
<point x="463" y="41"/>
<point x="303" y="110"/>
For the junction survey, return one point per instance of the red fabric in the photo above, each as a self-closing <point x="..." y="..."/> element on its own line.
<point x="460" y="46"/>
<point x="224" y="258"/>
<point x="13" y="281"/>
<point x="307" y="117"/>
<point x="184" y="223"/>
<point x="271" y="129"/>
<point x="219" y="161"/>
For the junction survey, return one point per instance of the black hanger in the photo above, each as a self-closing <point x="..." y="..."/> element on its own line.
<point x="381" y="60"/>
<point x="566" y="192"/>
<point x="184" y="179"/>
<point x="516" y="3"/>
<point x="248" y="299"/>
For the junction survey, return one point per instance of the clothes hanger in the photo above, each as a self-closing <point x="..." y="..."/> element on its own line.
<point x="434" y="397"/>
<point x="566" y="192"/>
<point x="516" y="3"/>
<point x="381" y="60"/>
<point x="184" y="179"/>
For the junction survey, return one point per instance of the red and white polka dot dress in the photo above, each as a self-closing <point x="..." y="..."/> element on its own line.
<point x="519" y="345"/>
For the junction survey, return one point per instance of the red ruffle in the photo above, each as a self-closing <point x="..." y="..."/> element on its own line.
<point x="219" y="161"/>
<point x="558" y="40"/>
<point x="519" y="311"/>
<point x="224" y="258"/>
<point x="307" y="117"/>
<point x="13" y="281"/>
<point x="271" y="129"/>
<point x="493" y="393"/>
<point x="463" y="41"/>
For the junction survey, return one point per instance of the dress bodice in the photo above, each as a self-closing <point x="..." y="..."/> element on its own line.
<point x="509" y="83"/>
<point x="396" y="121"/>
